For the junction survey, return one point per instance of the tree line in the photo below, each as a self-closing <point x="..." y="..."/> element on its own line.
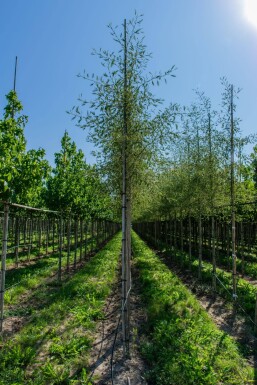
<point x="178" y="158"/>
<point x="26" y="177"/>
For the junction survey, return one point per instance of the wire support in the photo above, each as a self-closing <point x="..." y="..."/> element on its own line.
<point x="238" y="304"/>
<point x="116" y="334"/>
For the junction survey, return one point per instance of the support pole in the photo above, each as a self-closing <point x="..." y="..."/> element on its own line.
<point x="125" y="219"/>
<point x="3" y="264"/>
<point x="232" y="191"/>
<point x="60" y="250"/>
<point x="214" y="281"/>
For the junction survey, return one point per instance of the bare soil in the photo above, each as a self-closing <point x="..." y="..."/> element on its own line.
<point x="128" y="370"/>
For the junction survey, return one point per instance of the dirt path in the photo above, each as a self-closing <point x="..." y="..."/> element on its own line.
<point x="128" y="371"/>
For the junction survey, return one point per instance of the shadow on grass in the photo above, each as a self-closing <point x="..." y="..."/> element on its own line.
<point x="14" y="276"/>
<point x="62" y="310"/>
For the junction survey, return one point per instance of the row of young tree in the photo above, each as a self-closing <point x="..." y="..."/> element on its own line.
<point x="26" y="178"/>
<point x="158" y="163"/>
<point x="205" y="165"/>
<point x="178" y="160"/>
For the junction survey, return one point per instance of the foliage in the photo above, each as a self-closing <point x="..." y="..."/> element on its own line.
<point x="75" y="187"/>
<point x="183" y="346"/>
<point x="22" y="173"/>
<point x="123" y="114"/>
<point x="195" y="175"/>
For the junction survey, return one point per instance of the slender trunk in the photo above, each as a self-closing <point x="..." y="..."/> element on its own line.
<point x="125" y="214"/>
<point x="233" y="224"/>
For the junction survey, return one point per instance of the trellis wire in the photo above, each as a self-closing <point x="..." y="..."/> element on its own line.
<point x="216" y="240"/>
<point x="35" y="234"/>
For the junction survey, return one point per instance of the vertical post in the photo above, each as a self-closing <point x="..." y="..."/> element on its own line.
<point x="92" y="236"/>
<point x="85" y="230"/>
<point x="200" y="262"/>
<point x="60" y="250"/>
<point x="232" y="191"/>
<point x="190" y="242"/>
<point x="68" y="244"/>
<point x="125" y="230"/>
<point x="15" y="74"/>
<point x="255" y="317"/>
<point x="47" y="235"/>
<point x="30" y="237"/>
<point x="175" y="233"/>
<point x="14" y="81"/>
<point x="242" y="249"/>
<point x="3" y="264"/>
<point x="214" y="281"/>
<point x="17" y="240"/>
<point x="75" y="242"/>
<point x="53" y="230"/>
<point x="81" y="240"/>
<point x="39" y="236"/>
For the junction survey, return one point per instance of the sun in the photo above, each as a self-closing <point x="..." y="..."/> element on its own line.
<point x="250" y="10"/>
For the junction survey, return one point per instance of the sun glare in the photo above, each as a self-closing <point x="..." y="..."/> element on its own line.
<point x="251" y="11"/>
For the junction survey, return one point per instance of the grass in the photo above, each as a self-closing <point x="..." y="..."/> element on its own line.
<point x="246" y="292"/>
<point x="183" y="345"/>
<point x="53" y="348"/>
<point x="25" y="278"/>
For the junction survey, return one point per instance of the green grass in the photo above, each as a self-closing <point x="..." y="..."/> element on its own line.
<point x="25" y="278"/>
<point x="183" y="345"/>
<point x="246" y="292"/>
<point x="53" y="348"/>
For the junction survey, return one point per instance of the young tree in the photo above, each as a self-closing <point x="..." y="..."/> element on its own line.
<point x="74" y="186"/>
<point x="22" y="173"/>
<point x="124" y="124"/>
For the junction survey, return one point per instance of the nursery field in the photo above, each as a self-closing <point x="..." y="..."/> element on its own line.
<point x="55" y="339"/>
<point x="209" y="259"/>
<point x="55" y="334"/>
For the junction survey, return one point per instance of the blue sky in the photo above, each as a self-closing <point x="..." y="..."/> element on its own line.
<point x="53" y="39"/>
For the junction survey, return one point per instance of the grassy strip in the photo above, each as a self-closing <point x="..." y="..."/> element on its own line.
<point x="22" y="279"/>
<point x="53" y="348"/>
<point x="183" y="345"/>
<point x="246" y="292"/>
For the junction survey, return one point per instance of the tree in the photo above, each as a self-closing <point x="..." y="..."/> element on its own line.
<point x="124" y="122"/>
<point x="74" y="186"/>
<point x="22" y="172"/>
